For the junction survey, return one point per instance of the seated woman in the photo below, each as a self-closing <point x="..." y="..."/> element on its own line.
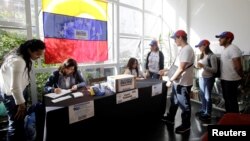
<point x="66" y="77"/>
<point x="132" y="68"/>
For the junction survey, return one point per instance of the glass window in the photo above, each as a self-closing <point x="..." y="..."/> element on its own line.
<point x="12" y="11"/>
<point x="135" y="3"/>
<point x="146" y="48"/>
<point x="154" y="6"/>
<point x="129" y="48"/>
<point x="9" y="39"/>
<point x="130" y="21"/>
<point x="152" y="26"/>
<point x="90" y="73"/>
<point x="111" y="26"/>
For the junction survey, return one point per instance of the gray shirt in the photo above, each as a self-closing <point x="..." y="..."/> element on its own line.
<point x="207" y="71"/>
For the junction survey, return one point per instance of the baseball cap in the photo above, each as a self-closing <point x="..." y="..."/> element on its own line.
<point x="203" y="42"/>
<point x="224" y="34"/>
<point x="179" y="33"/>
<point x="153" y="43"/>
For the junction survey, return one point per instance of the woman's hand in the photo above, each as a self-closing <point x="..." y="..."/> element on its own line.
<point x="169" y="84"/>
<point x="200" y="65"/>
<point x="163" y="72"/>
<point x="74" y="88"/>
<point x="140" y="78"/>
<point x="57" y="90"/>
<point x="21" y="111"/>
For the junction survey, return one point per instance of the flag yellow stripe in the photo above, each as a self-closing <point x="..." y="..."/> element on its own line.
<point x="92" y="9"/>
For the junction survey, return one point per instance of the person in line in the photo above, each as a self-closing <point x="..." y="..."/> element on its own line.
<point x="133" y="68"/>
<point x="14" y="81"/>
<point x="231" y="71"/>
<point x="154" y="61"/>
<point x="206" y="78"/>
<point x="66" y="77"/>
<point x="181" y="83"/>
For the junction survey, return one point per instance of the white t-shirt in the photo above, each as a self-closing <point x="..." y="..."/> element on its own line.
<point x="227" y="68"/>
<point x="127" y="71"/>
<point x="186" y="54"/>
<point x="153" y="62"/>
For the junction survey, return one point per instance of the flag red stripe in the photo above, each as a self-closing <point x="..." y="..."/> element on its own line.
<point x="57" y="50"/>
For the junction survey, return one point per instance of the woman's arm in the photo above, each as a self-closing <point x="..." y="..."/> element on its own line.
<point x="49" y="85"/>
<point x="16" y="80"/>
<point x="213" y="61"/>
<point x="80" y="81"/>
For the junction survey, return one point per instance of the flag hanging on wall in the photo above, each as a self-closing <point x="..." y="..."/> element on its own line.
<point x="75" y="29"/>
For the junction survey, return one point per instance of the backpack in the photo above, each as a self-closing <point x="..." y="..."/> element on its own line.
<point x="217" y="74"/>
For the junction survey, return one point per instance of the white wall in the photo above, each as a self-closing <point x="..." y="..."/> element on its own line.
<point x="175" y="13"/>
<point x="208" y="18"/>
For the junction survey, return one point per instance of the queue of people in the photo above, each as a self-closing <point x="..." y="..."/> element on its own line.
<point x="17" y="65"/>
<point x="181" y="82"/>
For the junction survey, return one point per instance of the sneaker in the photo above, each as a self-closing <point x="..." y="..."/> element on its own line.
<point x="205" y="117"/>
<point x="168" y="120"/>
<point x="182" y="129"/>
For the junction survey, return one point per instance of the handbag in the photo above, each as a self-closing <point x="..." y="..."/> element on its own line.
<point x="173" y="69"/>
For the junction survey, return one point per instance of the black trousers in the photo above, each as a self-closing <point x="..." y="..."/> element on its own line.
<point x="16" y="131"/>
<point x="230" y="93"/>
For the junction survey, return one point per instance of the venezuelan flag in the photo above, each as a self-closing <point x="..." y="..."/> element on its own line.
<point x="75" y="29"/>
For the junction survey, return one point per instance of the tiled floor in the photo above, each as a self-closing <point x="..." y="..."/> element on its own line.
<point x="156" y="130"/>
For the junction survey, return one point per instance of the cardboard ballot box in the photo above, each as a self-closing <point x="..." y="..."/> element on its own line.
<point x="120" y="83"/>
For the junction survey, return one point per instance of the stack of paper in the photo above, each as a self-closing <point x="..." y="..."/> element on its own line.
<point x="77" y="94"/>
<point x="54" y="95"/>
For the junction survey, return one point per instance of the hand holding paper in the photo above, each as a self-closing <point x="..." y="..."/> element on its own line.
<point x="55" y="95"/>
<point x="57" y="90"/>
<point x="199" y="64"/>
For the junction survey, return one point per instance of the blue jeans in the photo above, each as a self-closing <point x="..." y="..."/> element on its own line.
<point x="206" y="86"/>
<point x="180" y="97"/>
<point x="154" y="75"/>
<point x="16" y="129"/>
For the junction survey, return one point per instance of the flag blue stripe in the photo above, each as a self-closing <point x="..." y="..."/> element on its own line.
<point x="68" y="27"/>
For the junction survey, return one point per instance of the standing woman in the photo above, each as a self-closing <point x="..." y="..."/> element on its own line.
<point x="14" y="79"/>
<point x="154" y="61"/>
<point x="206" y="79"/>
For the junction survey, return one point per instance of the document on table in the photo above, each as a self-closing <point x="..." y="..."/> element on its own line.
<point x="54" y="95"/>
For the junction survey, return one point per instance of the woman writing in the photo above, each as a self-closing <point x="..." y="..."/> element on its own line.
<point x="66" y="77"/>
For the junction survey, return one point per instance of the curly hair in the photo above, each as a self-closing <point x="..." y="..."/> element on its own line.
<point x="24" y="50"/>
<point x="130" y="64"/>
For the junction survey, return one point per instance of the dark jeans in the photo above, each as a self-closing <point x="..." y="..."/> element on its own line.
<point x="230" y="93"/>
<point x="180" y="97"/>
<point x="154" y="75"/>
<point x="16" y="130"/>
<point x="206" y="86"/>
